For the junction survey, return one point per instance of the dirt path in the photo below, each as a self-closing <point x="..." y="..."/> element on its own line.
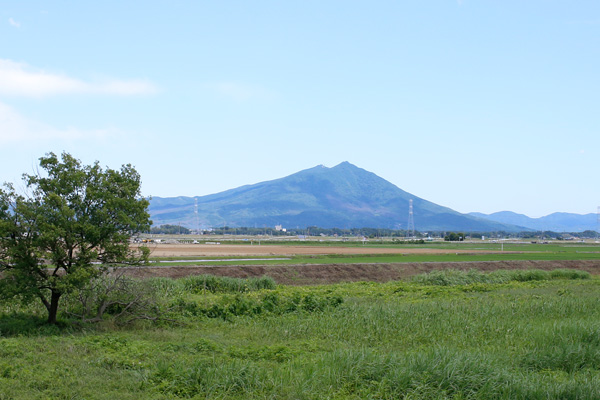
<point x="311" y="274"/>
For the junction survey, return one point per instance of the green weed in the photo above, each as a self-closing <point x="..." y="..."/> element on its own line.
<point x="208" y="283"/>
<point x="450" y="277"/>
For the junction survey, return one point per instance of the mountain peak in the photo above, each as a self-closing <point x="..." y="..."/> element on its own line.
<point x="345" y="164"/>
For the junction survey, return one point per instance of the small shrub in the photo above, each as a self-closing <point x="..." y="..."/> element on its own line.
<point x="116" y="296"/>
<point x="188" y="308"/>
<point x="217" y="311"/>
<point x="242" y="305"/>
<point x="271" y="302"/>
<point x="293" y="303"/>
<point x="310" y="303"/>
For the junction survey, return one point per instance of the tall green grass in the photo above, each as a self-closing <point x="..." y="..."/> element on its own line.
<point x="450" y="277"/>
<point x="222" y="284"/>
<point x="200" y="284"/>
<point x="535" y="336"/>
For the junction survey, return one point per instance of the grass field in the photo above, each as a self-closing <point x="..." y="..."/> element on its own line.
<point x="445" y="335"/>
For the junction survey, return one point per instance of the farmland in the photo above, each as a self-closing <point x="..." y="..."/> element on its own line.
<point x="386" y="251"/>
<point x="452" y="332"/>
<point x="333" y="261"/>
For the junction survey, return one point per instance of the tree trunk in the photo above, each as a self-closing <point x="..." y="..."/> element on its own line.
<point x="53" y="310"/>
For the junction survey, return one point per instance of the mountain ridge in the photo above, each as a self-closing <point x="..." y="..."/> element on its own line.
<point x="556" y="222"/>
<point x="343" y="196"/>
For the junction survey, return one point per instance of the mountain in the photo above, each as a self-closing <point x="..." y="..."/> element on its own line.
<point x="343" y="196"/>
<point x="557" y="222"/>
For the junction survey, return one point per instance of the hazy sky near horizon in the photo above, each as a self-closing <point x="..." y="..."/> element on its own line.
<point x="475" y="105"/>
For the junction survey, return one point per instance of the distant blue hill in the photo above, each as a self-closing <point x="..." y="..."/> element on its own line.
<point x="557" y="222"/>
<point x="343" y="196"/>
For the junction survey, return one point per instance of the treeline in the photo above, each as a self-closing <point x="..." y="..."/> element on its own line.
<point x="589" y="234"/>
<point x="170" y="230"/>
<point x="460" y="236"/>
<point x="373" y="233"/>
<point x="311" y="231"/>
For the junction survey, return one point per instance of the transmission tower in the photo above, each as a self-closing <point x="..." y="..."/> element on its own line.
<point x="196" y="216"/>
<point x="410" y="228"/>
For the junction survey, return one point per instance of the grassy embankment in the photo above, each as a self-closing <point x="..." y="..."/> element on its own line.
<point x="507" y="334"/>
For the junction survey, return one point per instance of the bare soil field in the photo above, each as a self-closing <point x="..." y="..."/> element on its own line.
<point x="217" y="250"/>
<point x="314" y="274"/>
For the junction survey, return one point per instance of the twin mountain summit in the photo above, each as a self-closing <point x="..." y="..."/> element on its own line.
<point x="343" y="196"/>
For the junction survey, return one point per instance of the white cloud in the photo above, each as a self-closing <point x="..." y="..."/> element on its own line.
<point x="14" y="23"/>
<point x="18" y="79"/>
<point x="15" y="128"/>
<point x="242" y="92"/>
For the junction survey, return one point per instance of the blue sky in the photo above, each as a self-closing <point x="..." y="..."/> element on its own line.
<point x="475" y="105"/>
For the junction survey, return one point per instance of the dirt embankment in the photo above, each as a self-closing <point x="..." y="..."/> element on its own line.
<point x="310" y="274"/>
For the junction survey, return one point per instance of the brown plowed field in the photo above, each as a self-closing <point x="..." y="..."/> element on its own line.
<point x="216" y="250"/>
<point x="313" y="274"/>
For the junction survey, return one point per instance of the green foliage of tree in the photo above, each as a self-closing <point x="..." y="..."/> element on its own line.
<point x="170" y="230"/>
<point x="72" y="223"/>
<point x="454" y="237"/>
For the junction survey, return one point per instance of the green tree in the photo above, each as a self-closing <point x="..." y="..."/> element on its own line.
<point x="71" y="224"/>
<point x="454" y="237"/>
